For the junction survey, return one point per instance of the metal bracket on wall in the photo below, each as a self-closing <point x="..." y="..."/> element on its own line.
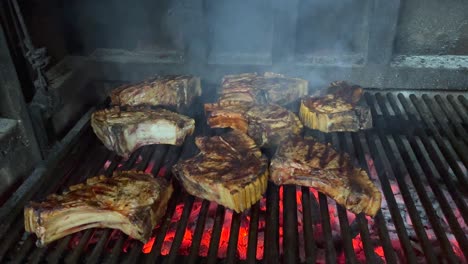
<point x="44" y="102"/>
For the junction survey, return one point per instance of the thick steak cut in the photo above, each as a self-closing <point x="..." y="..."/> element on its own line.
<point x="130" y="201"/>
<point x="310" y="163"/>
<point x="338" y="108"/>
<point x="229" y="170"/>
<point x="233" y="116"/>
<point x="267" y="124"/>
<point x="124" y="131"/>
<point x="270" y="88"/>
<point x="167" y="90"/>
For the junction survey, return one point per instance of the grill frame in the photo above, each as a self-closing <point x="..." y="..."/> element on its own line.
<point x="438" y="122"/>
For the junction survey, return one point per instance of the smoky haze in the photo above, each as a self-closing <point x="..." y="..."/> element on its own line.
<point x="224" y="32"/>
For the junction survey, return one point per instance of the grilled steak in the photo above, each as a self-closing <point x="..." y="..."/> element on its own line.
<point x="269" y="124"/>
<point x="125" y="131"/>
<point x="309" y="163"/>
<point x="266" y="124"/>
<point x="337" y="108"/>
<point x="169" y="90"/>
<point x="230" y="170"/>
<point x="130" y="201"/>
<point x="233" y="116"/>
<point x="269" y="88"/>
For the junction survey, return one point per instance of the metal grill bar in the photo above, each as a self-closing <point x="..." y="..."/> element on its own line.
<point x="451" y="115"/>
<point x="441" y="167"/>
<point x="458" y="145"/>
<point x="409" y="163"/>
<point x="216" y="235"/>
<point x="426" y="157"/>
<point x="198" y="232"/>
<point x="329" y="245"/>
<point x="392" y="204"/>
<point x="461" y="237"/>
<point x="309" y="241"/>
<point x="360" y="218"/>
<point x="290" y="242"/>
<point x="233" y="238"/>
<point x="156" y="250"/>
<point x="390" y="254"/>
<point x="463" y="101"/>
<point x="271" y="253"/>
<point x="343" y="219"/>
<point x="458" y="108"/>
<point x="188" y="203"/>
<point x="390" y="169"/>
<point x="253" y="236"/>
<point x="449" y="157"/>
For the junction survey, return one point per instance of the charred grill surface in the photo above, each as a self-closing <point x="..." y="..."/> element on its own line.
<point x="412" y="153"/>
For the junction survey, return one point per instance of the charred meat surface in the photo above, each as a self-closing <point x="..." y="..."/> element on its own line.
<point x="168" y="90"/>
<point x="267" y="124"/>
<point x="230" y="170"/>
<point x="270" y="88"/>
<point x="338" y="108"/>
<point x="233" y="116"/>
<point x="310" y="163"/>
<point x="130" y="201"/>
<point x="124" y="131"/>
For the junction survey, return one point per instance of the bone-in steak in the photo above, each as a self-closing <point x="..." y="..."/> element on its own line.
<point x="233" y="116"/>
<point x="124" y="131"/>
<point x="310" y="163"/>
<point x="269" y="88"/>
<point x="168" y="90"/>
<point x="267" y="124"/>
<point x="131" y="201"/>
<point x="230" y="170"/>
<point x="337" y="108"/>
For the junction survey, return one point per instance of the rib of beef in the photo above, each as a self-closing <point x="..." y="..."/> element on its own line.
<point x="125" y="131"/>
<point x="267" y="124"/>
<point x="229" y="170"/>
<point x="233" y="116"/>
<point x="310" y="163"/>
<point x="338" y="108"/>
<point x="268" y="88"/>
<point x="130" y="201"/>
<point x="168" y="90"/>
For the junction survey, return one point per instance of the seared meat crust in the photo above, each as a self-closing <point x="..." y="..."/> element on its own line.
<point x="310" y="163"/>
<point x="131" y="201"/>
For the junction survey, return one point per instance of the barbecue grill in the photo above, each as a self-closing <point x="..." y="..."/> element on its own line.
<point x="416" y="153"/>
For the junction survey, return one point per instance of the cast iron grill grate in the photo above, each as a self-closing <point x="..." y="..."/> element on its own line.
<point x="416" y="154"/>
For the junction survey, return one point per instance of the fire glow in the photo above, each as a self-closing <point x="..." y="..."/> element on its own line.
<point x="244" y="231"/>
<point x="243" y="235"/>
<point x="245" y="225"/>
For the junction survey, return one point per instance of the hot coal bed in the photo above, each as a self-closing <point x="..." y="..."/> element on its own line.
<point x="417" y="164"/>
<point x="412" y="56"/>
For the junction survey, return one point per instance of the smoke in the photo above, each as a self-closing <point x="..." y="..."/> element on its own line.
<point x="331" y="27"/>
<point x="238" y="35"/>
